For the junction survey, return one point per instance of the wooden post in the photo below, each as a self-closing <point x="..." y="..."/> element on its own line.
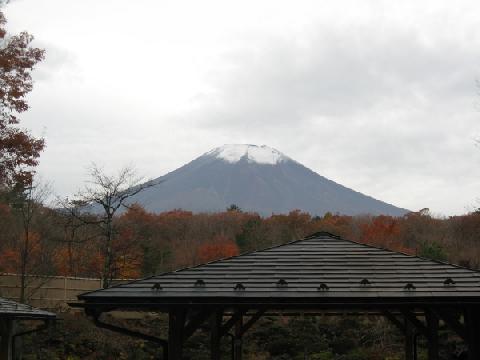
<point x="51" y="328"/>
<point x="6" y="343"/>
<point x="432" y="328"/>
<point x="472" y="321"/>
<point x="237" y="350"/>
<point x="409" y="341"/>
<point x="176" y="321"/>
<point x="215" y="336"/>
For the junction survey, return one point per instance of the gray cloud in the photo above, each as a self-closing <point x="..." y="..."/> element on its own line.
<point x="337" y="74"/>
<point x="380" y="97"/>
<point x="375" y="111"/>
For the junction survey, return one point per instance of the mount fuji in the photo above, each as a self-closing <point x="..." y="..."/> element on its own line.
<point x="255" y="178"/>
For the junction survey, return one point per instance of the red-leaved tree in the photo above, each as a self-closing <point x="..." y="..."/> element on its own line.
<point x="220" y="247"/>
<point x="19" y="151"/>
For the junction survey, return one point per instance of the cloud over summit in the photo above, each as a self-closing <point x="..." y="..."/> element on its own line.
<point x="378" y="96"/>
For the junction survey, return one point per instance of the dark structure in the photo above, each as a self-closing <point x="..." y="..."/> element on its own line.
<point x="11" y="313"/>
<point x="319" y="274"/>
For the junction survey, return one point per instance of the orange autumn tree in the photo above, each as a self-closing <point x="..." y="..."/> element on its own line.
<point x="19" y="151"/>
<point x="85" y="260"/>
<point x="178" y="230"/>
<point x="63" y="260"/>
<point x="143" y="231"/>
<point x="384" y="231"/>
<point x="9" y="260"/>
<point x="127" y="254"/>
<point x="219" y="247"/>
<point x="340" y="225"/>
<point x="11" y="257"/>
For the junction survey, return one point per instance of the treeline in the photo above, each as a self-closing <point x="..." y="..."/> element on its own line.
<point x="56" y="243"/>
<point x="146" y="243"/>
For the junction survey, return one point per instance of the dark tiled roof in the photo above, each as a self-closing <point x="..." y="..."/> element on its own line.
<point x="316" y="268"/>
<point x="13" y="309"/>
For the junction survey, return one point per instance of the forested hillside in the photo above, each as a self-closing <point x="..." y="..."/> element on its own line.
<point x="146" y="243"/>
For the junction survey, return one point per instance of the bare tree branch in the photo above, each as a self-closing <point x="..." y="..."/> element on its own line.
<point x="103" y="196"/>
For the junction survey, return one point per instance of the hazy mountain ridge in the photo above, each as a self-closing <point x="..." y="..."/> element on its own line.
<point x="256" y="178"/>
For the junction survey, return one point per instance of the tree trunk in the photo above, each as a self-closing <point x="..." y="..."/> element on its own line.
<point x="6" y="340"/>
<point x="23" y="270"/>
<point x="107" y="269"/>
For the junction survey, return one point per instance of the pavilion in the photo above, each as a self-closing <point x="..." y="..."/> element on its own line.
<point x="319" y="274"/>
<point x="11" y="313"/>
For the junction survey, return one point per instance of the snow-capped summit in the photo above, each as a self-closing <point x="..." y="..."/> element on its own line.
<point x="255" y="178"/>
<point x="233" y="153"/>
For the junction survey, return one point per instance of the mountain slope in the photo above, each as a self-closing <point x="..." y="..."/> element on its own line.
<point x="256" y="178"/>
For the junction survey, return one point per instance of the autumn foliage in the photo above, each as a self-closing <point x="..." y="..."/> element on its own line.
<point x="10" y="257"/>
<point x="219" y="247"/>
<point x="86" y="260"/>
<point x="147" y="243"/>
<point x="19" y="151"/>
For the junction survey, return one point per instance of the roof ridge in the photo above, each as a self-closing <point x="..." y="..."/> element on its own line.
<point x="322" y="233"/>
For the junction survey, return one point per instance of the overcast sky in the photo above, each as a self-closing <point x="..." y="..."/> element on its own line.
<point x="378" y="96"/>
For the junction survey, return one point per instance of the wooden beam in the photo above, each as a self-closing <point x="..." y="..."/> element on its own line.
<point x="195" y="322"/>
<point x="393" y="319"/>
<point x="7" y="329"/>
<point x="215" y="336"/>
<point x="238" y="340"/>
<point x="432" y="338"/>
<point x="472" y="321"/>
<point x="408" y="330"/>
<point x="410" y="341"/>
<point x="420" y="326"/>
<point x="176" y="321"/>
<point x="232" y="321"/>
<point x="114" y="328"/>
<point x="252" y="321"/>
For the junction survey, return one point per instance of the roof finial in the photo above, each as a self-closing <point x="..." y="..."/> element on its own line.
<point x="323" y="287"/>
